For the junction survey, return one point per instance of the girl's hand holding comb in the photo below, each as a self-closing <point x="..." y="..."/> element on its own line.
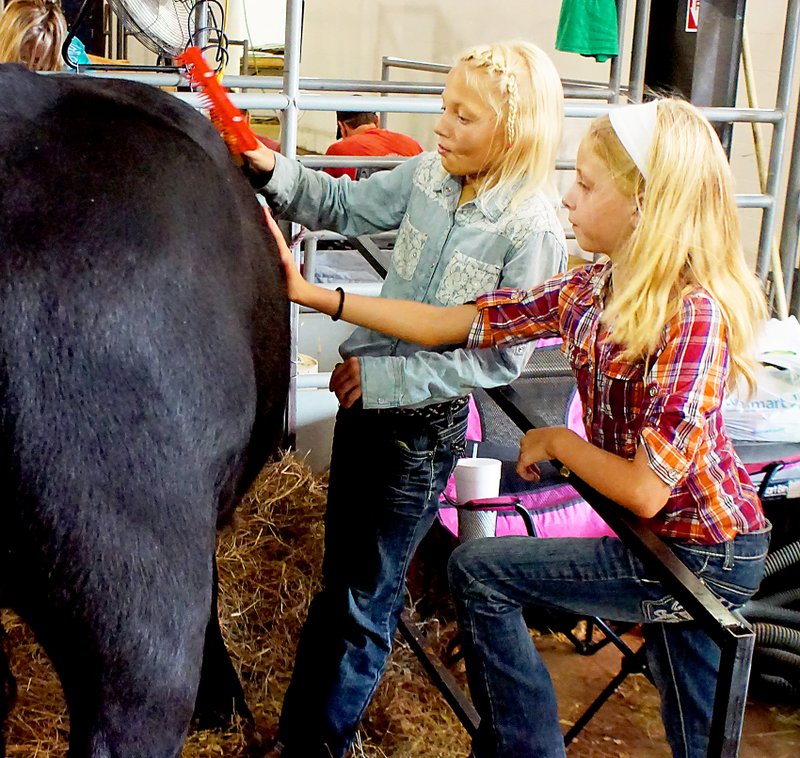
<point x="262" y="159"/>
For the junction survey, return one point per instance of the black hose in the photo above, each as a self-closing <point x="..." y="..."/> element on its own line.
<point x="782" y="558"/>
<point x="781" y="598"/>
<point x="771" y="635"/>
<point x="776" y="686"/>
<point x="755" y="610"/>
<point x="771" y="658"/>
<point x="777" y="654"/>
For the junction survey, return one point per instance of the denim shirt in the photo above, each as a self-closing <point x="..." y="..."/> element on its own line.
<point x="444" y="255"/>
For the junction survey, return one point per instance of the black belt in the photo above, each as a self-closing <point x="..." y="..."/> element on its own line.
<point x="428" y="412"/>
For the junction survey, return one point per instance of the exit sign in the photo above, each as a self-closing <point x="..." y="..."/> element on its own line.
<point x="692" y="15"/>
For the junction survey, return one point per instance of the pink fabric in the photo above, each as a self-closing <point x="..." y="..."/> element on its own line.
<point x="474" y="431"/>
<point x="758" y="467"/>
<point x="557" y="517"/>
<point x="575" y="416"/>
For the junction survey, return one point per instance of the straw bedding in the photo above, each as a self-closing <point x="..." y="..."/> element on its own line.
<point x="269" y="563"/>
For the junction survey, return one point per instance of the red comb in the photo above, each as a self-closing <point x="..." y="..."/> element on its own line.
<point x="225" y="115"/>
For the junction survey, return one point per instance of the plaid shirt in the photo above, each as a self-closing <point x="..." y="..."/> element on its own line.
<point x="668" y="403"/>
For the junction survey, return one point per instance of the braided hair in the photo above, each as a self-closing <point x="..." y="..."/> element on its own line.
<point x="521" y="85"/>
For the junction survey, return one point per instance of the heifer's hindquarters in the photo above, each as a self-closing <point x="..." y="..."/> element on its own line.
<point x="135" y="390"/>
<point x="115" y="537"/>
<point x="123" y="627"/>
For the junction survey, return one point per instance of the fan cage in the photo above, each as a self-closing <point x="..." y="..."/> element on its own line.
<point x="168" y="27"/>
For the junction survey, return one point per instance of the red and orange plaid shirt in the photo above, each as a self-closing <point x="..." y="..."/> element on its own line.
<point x="668" y="403"/>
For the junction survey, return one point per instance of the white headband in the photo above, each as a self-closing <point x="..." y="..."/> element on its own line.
<point x="634" y="126"/>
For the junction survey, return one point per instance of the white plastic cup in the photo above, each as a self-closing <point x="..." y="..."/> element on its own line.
<point x="476" y="478"/>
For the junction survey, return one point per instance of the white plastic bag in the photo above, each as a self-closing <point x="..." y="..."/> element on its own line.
<point x="772" y="414"/>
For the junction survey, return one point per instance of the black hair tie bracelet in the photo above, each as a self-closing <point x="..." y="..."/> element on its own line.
<point x="336" y="316"/>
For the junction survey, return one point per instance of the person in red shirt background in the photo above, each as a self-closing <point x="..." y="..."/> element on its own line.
<point x="359" y="133"/>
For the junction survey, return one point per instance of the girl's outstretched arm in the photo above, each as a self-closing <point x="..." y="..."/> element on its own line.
<point x="427" y="325"/>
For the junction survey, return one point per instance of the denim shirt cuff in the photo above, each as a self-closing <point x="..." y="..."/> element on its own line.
<point x="282" y="183"/>
<point x="381" y="382"/>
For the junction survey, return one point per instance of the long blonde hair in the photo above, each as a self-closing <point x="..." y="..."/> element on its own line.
<point x="521" y="85"/>
<point x="32" y="33"/>
<point x="687" y="237"/>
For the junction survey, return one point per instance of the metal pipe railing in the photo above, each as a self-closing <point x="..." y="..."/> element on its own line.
<point x="790" y="227"/>
<point x="610" y="90"/>
<point x="641" y="26"/>
<point x="289" y="122"/>
<point x="615" y="67"/>
<point x="311" y="94"/>
<point x="782" y="104"/>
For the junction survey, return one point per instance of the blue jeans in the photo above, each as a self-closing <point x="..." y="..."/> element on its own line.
<point x="387" y="472"/>
<point x="493" y="579"/>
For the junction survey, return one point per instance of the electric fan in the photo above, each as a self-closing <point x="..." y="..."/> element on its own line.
<point x="163" y="26"/>
<point x="168" y="27"/>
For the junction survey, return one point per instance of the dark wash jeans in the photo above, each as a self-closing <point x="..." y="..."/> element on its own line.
<point x="493" y="579"/>
<point x="387" y="472"/>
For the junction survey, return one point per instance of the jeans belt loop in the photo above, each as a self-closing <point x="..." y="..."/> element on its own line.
<point x="729" y="556"/>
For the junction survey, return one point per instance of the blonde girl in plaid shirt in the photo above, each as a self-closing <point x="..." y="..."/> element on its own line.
<point x="654" y="335"/>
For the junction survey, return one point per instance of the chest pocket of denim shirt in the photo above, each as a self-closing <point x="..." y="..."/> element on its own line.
<point x="408" y="249"/>
<point x="620" y="391"/>
<point x="465" y="278"/>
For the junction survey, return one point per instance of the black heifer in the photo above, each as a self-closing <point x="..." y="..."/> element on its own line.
<point x="143" y="376"/>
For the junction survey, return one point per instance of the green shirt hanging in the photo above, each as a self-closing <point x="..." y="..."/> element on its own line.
<point x="588" y="27"/>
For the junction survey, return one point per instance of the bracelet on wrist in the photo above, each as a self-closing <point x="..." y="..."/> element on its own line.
<point x="336" y="316"/>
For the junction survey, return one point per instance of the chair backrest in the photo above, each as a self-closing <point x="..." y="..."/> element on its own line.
<point x="556" y="509"/>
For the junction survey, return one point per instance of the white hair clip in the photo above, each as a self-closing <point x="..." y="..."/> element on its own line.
<point x="634" y="125"/>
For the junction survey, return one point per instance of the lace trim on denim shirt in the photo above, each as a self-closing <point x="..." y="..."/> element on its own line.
<point x="531" y="216"/>
<point x="429" y="178"/>
<point x="408" y="249"/>
<point x="465" y="278"/>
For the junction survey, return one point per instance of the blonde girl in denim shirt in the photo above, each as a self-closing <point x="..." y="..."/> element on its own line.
<point x="653" y="335"/>
<point x="471" y="217"/>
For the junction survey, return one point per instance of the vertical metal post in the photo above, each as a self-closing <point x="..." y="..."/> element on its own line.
<point x="289" y="122"/>
<point x="310" y="257"/>
<point x="736" y="656"/>
<point x="615" y="69"/>
<point x="200" y="36"/>
<point x="785" y="76"/>
<point x="291" y="76"/>
<point x="794" y="301"/>
<point x="639" y="51"/>
<point x="791" y="210"/>
<point x="119" y="36"/>
<point x="384" y="78"/>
